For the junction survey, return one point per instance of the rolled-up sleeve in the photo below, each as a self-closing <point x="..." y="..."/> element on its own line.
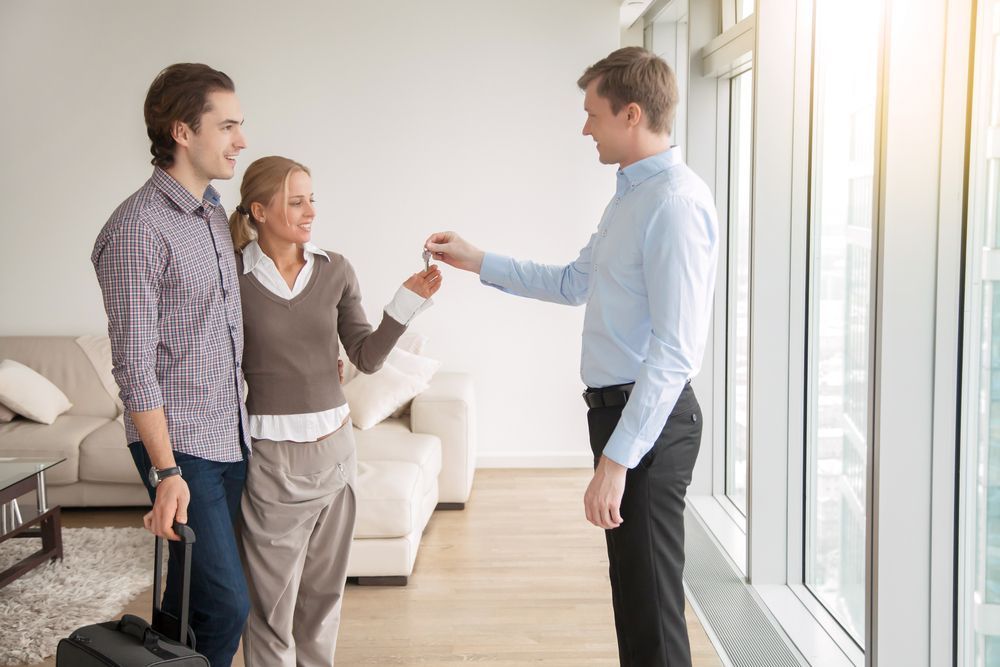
<point x="679" y="263"/>
<point x="130" y="260"/>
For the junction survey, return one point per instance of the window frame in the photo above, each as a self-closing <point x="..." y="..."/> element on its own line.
<point x="724" y="58"/>
<point x="929" y="45"/>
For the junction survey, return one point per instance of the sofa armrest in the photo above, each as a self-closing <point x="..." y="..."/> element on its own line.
<point x="447" y="409"/>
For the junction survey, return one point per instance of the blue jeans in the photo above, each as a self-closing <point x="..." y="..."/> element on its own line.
<point x="219" y="598"/>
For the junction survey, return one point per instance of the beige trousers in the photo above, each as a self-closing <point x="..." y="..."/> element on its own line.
<point x="298" y="521"/>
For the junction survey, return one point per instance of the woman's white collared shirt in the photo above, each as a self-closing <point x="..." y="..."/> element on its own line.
<point x="311" y="426"/>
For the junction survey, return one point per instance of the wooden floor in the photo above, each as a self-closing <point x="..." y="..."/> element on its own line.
<point x="517" y="578"/>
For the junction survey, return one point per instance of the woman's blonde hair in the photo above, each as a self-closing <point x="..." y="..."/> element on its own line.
<point x="263" y="179"/>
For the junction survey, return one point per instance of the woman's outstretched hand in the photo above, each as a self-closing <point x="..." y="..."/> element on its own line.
<point x="425" y="283"/>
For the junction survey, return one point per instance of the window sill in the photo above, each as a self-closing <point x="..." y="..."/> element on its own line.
<point x="798" y="614"/>
<point x="810" y="627"/>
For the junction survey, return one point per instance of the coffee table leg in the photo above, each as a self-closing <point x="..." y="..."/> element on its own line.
<point x="42" y="500"/>
<point x="51" y="529"/>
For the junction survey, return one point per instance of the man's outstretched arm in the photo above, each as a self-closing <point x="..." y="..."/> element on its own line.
<point x="567" y="284"/>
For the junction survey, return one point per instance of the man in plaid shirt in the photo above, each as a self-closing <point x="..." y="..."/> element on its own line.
<point x="167" y="272"/>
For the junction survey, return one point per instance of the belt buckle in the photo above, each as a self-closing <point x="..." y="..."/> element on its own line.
<point x="589" y="395"/>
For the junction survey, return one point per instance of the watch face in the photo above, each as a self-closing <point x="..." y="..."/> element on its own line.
<point x="153" y="477"/>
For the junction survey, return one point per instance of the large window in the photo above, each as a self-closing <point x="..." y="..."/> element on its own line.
<point x="744" y="8"/>
<point x="980" y="638"/>
<point x="845" y="85"/>
<point x="738" y="288"/>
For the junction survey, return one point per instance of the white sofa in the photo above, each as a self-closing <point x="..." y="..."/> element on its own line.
<point x="407" y="467"/>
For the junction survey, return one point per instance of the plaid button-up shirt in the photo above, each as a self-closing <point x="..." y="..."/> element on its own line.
<point x="167" y="271"/>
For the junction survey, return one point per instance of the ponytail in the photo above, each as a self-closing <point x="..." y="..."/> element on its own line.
<point x="241" y="228"/>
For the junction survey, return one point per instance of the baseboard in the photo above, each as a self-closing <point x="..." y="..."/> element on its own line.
<point x="540" y="460"/>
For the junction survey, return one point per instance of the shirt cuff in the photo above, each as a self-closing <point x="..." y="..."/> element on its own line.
<point x="625" y="449"/>
<point x="493" y="270"/>
<point x="142" y="399"/>
<point x="406" y="305"/>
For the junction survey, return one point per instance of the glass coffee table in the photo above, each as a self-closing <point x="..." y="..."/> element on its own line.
<point x="20" y="476"/>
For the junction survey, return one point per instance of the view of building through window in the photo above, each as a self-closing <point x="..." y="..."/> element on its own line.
<point x="845" y="86"/>
<point x="738" y="301"/>
<point x="981" y="542"/>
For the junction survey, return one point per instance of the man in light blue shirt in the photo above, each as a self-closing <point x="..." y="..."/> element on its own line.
<point x="647" y="277"/>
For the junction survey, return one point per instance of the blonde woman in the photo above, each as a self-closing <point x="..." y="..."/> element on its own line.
<point x="299" y="506"/>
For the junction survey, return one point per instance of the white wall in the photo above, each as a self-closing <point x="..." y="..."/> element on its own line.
<point x="414" y="117"/>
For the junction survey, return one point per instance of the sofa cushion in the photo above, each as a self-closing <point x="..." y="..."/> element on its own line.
<point x="388" y="495"/>
<point x="62" y="439"/>
<point x="65" y="364"/>
<point x="390" y="556"/>
<point x="104" y="456"/>
<point x="392" y="441"/>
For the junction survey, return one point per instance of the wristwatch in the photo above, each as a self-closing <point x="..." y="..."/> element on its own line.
<point x="157" y="476"/>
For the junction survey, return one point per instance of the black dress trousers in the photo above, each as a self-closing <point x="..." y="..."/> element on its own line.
<point x="646" y="552"/>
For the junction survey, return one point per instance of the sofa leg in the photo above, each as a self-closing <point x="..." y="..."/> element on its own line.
<point x="450" y="506"/>
<point x="382" y="581"/>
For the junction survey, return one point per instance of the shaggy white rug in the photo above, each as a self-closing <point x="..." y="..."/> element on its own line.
<point x="101" y="571"/>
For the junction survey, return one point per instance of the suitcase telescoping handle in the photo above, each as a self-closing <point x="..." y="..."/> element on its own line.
<point x="187" y="539"/>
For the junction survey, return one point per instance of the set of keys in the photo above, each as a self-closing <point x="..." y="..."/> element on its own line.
<point x="427" y="259"/>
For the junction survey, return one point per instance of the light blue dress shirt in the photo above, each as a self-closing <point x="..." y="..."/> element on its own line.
<point x="648" y="277"/>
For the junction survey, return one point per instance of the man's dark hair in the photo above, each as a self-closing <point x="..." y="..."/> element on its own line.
<point x="179" y="93"/>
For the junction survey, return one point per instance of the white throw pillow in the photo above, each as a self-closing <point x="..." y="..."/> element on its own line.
<point x="6" y="414"/>
<point x="350" y="370"/>
<point x="28" y="393"/>
<point x="98" y="351"/>
<point x="372" y="398"/>
<point x="411" y="364"/>
<point x="411" y="341"/>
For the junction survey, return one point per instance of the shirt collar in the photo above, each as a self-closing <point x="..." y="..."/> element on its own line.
<point x="313" y="249"/>
<point x="180" y="196"/>
<point x="254" y="255"/>
<point x="646" y="168"/>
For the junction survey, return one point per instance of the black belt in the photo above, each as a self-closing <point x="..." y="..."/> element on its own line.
<point x="608" y="397"/>
<point x="614" y="396"/>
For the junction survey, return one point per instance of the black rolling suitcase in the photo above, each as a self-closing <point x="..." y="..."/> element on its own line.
<point x="132" y="642"/>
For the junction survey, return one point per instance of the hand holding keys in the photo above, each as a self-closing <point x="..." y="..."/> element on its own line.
<point x="427" y="282"/>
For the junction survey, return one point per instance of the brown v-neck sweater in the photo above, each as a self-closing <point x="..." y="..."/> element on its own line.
<point x="290" y="347"/>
